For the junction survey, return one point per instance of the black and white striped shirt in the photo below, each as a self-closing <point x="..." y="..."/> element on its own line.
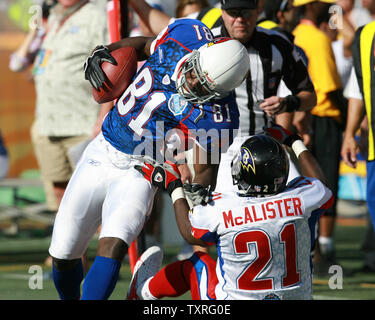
<point x="272" y="58"/>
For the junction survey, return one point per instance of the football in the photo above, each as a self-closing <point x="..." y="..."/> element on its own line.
<point x="119" y="77"/>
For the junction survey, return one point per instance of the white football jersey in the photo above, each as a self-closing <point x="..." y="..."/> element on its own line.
<point x="263" y="244"/>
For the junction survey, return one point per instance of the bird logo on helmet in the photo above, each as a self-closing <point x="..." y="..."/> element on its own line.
<point x="247" y="160"/>
<point x="269" y="166"/>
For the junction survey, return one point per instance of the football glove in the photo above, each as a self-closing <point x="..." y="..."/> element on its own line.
<point x="281" y="134"/>
<point x="197" y="194"/>
<point x="92" y="67"/>
<point x="165" y="176"/>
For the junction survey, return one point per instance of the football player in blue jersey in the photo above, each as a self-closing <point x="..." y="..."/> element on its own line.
<point x="182" y="94"/>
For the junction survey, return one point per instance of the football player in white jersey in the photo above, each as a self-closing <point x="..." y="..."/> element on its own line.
<point x="264" y="232"/>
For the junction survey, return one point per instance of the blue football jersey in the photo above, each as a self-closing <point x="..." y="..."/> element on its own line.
<point x="150" y="108"/>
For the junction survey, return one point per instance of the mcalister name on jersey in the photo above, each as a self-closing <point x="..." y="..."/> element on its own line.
<point x="280" y="208"/>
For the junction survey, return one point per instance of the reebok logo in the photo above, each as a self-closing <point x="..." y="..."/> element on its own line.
<point x="158" y="177"/>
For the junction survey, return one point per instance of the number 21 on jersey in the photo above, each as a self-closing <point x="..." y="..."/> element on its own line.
<point x="249" y="278"/>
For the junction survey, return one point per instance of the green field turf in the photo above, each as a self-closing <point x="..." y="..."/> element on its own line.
<point x="18" y="253"/>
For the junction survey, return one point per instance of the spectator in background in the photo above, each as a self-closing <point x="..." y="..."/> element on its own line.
<point x="353" y="18"/>
<point x="360" y="91"/>
<point x="341" y="36"/>
<point x="357" y="16"/>
<point x="140" y="28"/>
<point x="279" y="15"/>
<point x="20" y="61"/>
<point x="66" y="113"/>
<point x="157" y="20"/>
<point x="26" y="53"/>
<point x="369" y="5"/>
<point x="185" y="8"/>
<point x="342" y="40"/>
<point x="328" y="116"/>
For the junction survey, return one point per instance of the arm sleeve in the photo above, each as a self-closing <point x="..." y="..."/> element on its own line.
<point x="204" y="224"/>
<point x="317" y="198"/>
<point x="352" y="88"/>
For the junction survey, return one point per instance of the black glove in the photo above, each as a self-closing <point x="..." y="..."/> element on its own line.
<point x="92" y="67"/>
<point x="198" y="194"/>
<point x="165" y="176"/>
<point x="282" y="135"/>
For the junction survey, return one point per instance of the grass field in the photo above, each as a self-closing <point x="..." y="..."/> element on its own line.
<point x="28" y="248"/>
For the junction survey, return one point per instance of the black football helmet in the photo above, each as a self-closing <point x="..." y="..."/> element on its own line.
<point x="260" y="167"/>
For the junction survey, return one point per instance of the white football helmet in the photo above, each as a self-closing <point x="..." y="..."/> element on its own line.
<point x="220" y="65"/>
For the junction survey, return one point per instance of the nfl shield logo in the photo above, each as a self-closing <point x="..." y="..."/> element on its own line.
<point x="177" y="104"/>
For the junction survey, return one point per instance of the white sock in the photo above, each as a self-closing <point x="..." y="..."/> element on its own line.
<point x="144" y="292"/>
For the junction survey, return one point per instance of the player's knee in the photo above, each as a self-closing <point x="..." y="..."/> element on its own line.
<point x="64" y="265"/>
<point x="113" y="248"/>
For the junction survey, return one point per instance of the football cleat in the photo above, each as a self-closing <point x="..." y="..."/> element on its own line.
<point x="147" y="266"/>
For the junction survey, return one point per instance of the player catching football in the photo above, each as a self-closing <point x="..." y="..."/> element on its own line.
<point x="184" y="85"/>
<point x="264" y="232"/>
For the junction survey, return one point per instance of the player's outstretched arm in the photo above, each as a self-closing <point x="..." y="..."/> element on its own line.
<point x="309" y="165"/>
<point x="167" y="177"/>
<point x="155" y="19"/>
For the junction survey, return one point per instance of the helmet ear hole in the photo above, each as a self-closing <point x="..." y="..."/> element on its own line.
<point x="262" y="167"/>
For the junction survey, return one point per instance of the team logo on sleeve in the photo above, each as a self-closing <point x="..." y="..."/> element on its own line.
<point x="247" y="160"/>
<point x="177" y="104"/>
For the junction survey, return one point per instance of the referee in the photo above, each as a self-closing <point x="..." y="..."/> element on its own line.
<point x="272" y="58"/>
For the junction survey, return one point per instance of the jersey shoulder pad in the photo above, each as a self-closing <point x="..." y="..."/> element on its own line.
<point x="189" y="33"/>
<point x="314" y="193"/>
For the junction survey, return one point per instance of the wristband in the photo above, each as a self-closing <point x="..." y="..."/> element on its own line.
<point x="291" y="139"/>
<point x="298" y="147"/>
<point x="292" y="103"/>
<point x="177" y="193"/>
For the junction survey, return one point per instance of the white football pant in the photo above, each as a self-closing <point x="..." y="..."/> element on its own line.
<point x="104" y="189"/>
